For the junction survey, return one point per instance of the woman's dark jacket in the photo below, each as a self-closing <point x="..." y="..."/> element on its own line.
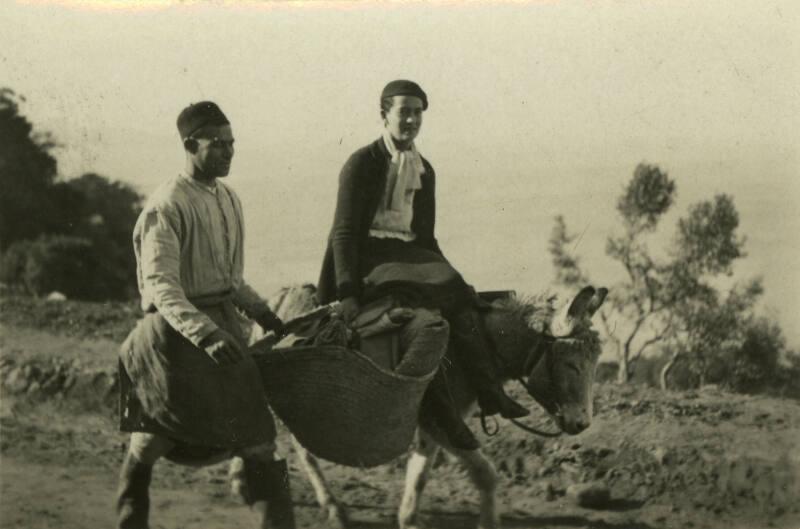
<point x="361" y="188"/>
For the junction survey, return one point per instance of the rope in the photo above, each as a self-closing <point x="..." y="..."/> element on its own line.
<point x="533" y="430"/>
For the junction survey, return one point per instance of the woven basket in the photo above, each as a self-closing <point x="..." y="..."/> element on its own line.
<point x="341" y="405"/>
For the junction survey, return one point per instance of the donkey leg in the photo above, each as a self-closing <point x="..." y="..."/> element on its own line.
<point x="237" y="480"/>
<point x="334" y="513"/>
<point x="484" y="476"/>
<point x="417" y="473"/>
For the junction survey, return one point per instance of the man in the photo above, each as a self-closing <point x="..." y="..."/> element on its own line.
<point x="188" y="388"/>
<point x="383" y="242"/>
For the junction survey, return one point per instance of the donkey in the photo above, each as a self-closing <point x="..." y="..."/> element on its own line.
<point x="556" y="350"/>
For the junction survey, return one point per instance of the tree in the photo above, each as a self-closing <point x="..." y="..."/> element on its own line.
<point x="27" y="171"/>
<point x="757" y="361"/>
<point x="710" y="331"/>
<point x="658" y="297"/>
<point x="93" y="215"/>
<point x="105" y="214"/>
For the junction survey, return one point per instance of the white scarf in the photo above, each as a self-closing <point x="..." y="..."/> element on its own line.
<point x="404" y="173"/>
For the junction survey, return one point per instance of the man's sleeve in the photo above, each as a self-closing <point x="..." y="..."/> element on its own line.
<point x="160" y="262"/>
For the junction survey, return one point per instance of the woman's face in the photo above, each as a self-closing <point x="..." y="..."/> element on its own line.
<point x="404" y="120"/>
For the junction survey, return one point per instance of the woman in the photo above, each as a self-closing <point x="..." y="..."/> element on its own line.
<point x="382" y="242"/>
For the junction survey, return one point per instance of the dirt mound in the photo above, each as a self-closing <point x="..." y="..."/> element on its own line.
<point x="697" y="451"/>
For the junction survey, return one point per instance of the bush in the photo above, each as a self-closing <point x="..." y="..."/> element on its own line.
<point x="83" y="224"/>
<point x="62" y="263"/>
<point x="12" y="264"/>
<point x="79" y="267"/>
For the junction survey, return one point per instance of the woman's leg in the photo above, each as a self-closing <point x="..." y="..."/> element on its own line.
<point x="470" y="344"/>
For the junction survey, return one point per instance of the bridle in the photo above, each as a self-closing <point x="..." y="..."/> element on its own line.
<point x="535" y="355"/>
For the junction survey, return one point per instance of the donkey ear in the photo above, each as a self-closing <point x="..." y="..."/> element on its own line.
<point x="564" y="320"/>
<point x="580" y="304"/>
<point x="597" y="300"/>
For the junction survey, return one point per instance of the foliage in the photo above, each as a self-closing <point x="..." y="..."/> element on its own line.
<point x="12" y="264"/>
<point x="27" y="171"/>
<point x="105" y="216"/>
<point x="672" y="302"/>
<point x="757" y="361"/>
<point x="89" y="212"/>
<point x="567" y="266"/>
<point x="62" y="263"/>
<point x="648" y="196"/>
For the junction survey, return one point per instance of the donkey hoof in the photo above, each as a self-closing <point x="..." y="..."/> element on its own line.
<point x="239" y="490"/>
<point x="410" y="524"/>
<point x="494" y="524"/>
<point x="335" y="517"/>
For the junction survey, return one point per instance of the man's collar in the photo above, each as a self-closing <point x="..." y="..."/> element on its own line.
<point x="205" y="187"/>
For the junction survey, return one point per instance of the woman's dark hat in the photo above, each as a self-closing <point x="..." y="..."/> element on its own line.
<point x="198" y="115"/>
<point x="401" y="87"/>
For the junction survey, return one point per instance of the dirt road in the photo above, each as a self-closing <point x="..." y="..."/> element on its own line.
<point x="704" y="459"/>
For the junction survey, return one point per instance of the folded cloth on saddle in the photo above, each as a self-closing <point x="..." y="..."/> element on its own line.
<point x="333" y="332"/>
<point x="423" y="343"/>
<point x="321" y="326"/>
<point x="408" y="341"/>
<point x="185" y="395"/>
<point x="391" y="320"/>
<point x="381" y="315"/>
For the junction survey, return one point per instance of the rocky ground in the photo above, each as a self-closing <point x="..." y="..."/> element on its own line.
<point x="704" y="459"/>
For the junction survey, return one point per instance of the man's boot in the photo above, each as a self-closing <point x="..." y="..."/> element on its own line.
<point x="438" y="411"/>
<point x="472" y="346"/>
<point x="133" y="500"/>
<point x="269" y="493"/>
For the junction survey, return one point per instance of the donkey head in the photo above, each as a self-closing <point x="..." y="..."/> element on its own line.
<point x="562" y="379"/>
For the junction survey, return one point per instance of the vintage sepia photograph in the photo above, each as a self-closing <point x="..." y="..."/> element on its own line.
<point x="385" y="264"/>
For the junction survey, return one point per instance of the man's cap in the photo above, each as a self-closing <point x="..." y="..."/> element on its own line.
<point x="402" y="87"/>
<point x="198" y="115"/>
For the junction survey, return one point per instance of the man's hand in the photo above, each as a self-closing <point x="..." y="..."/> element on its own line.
<point x="270" y="322"/>
<point x="222" y="347"/>
<point x="350" y="309"/>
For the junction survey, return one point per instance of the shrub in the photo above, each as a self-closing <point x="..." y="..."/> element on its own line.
<point x="62" y="263"/>
<point x="12" y="264"/>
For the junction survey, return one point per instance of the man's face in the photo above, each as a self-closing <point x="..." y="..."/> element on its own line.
<point x="404" y="119"/>
<point x="214" y="150"/>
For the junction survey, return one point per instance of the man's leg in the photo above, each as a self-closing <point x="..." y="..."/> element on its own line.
<point x="133" y="499"/>
<point x="471" y="345"/>
<point x="267" y="485"/>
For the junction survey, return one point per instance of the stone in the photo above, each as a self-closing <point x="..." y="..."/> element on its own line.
<point x="53" y="384"/>
<point x="661" y="454"/>
<point x="69" y="381"/>
<point x="56" y="297"/>
<point x="16" y="381"/>
<point x="594" y="495"/>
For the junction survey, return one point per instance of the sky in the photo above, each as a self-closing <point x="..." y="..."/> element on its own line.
<point x="536" y="109"/>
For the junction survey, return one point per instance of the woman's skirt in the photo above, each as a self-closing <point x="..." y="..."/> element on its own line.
<point x="416" y="276"/>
